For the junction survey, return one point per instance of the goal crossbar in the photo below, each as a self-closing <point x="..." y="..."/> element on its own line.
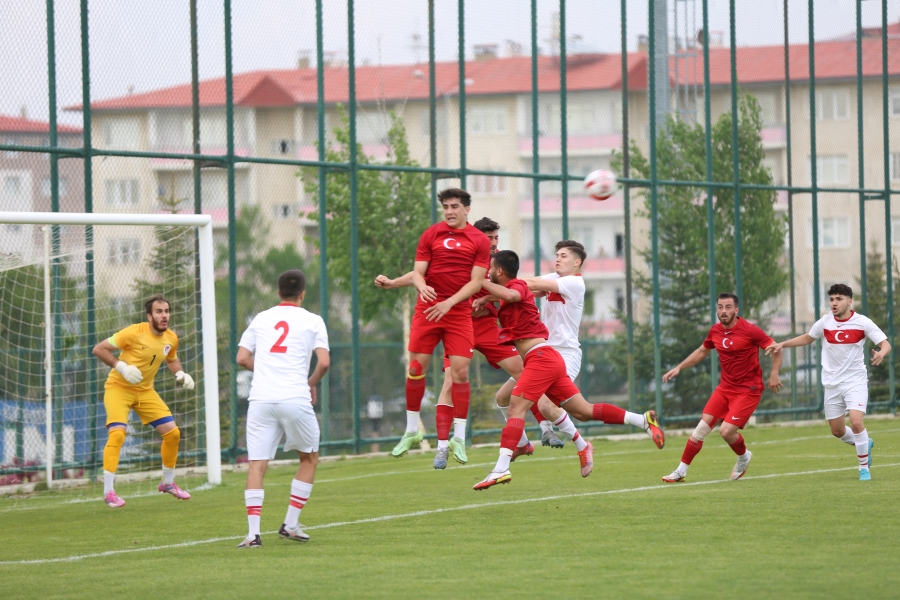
<point x="203" y="223"/>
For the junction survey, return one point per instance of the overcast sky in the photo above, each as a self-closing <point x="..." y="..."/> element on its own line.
<point x="147" y="44"/>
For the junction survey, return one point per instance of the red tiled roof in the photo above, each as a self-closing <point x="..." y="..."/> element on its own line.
<point x="20" y="125"/>
<point x="755" y="64"/>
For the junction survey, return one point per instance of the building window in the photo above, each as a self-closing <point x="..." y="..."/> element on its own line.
<point x="895" y="231"/>
<point x="824" y="286"/>
<point x="834" y="232"/>
<point x="620" y="245"/>
<point x="123" y="133"/>
<point x="831" y="169"/>
<point x="10" y="153"/>
<point x="123" y="251"/>
<point x="45" y="187"/>
<point x="285" y="211"/>
<point x="832" y="105"/>
<point x="122" y="192"/>
<point x="486" y="119"/>
<point x="487" y="184"/>
<point x="589" y="304"/>
<point x="440" y="122"/>
<point x="284" y="146"/>
<point x="12" y="186"/>
<point x="895" y="102"/>
<point x="620" y="300"/>
<point x="895" y="166"/>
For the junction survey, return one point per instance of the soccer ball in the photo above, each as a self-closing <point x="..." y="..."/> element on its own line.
<point x="600" y="184"/>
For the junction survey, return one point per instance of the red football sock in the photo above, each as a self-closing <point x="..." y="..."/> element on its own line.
<point x="609" y="413"/>
<point x="690" y="451"/>
<point x="415" y="391"/>
<point x="512" y="433"/>
<point x="537" y="414"/>
<point x="739" y="447"/>
<point x="444" y="420"/>
<point x="459" y="393"/>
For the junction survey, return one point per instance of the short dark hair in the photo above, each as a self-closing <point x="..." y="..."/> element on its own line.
<point x="840" y="289"/>
<point x="291" y="283"/>
<point x="485" y="225"/>
<point x="574" y="246"/>
<point x="148" y="305"/>
<point x="508" y="261"/>
<point x="461" y="194"/>
<point x="727" y="295"/>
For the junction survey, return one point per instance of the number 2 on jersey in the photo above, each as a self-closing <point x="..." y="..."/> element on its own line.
<point x="278" y="348"/>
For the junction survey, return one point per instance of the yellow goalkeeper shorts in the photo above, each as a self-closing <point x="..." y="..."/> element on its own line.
<point x="149" y="407"/>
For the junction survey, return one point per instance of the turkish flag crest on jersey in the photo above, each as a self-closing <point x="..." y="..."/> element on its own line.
<point x="844" y="336"/>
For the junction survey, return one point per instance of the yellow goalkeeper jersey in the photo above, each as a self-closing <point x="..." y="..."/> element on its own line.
<point x="146" y="351"/>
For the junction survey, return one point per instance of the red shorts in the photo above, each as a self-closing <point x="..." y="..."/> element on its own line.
<point x="454" y="329"/>
<point x="545" y="373"/>
<point x="486" y="342"/>
<point x="731" y="406"/>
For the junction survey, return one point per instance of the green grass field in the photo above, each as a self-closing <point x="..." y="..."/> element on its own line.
<point x="799" y="525"/>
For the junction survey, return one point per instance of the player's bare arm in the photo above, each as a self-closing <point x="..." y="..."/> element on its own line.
<point x="323" y="362"/>
<point x="386" y="283"/>
<point x="884" y="348"/>
<point x="536" y="284"/>
<point x="426" y="292"/>
<point x="435" y="312"/>
<point x="499" y="292"/>
<point x="800" y="340"/>
<point x="244" y="358"/>
<point x="774" y="378"/>
<point x="695" y="358"/>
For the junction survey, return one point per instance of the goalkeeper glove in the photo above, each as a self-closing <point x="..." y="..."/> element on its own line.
<point x="130" y="372"/>
<point x="185" y="380"/>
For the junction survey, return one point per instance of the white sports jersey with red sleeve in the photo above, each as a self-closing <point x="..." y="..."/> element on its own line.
<point x="562" y="311"/>
<point x="843" y="358"/>
<point x="282" y="340"/>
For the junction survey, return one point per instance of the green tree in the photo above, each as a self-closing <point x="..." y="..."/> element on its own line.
<point x="393" y="210"/>
<point x="683" y="268"/>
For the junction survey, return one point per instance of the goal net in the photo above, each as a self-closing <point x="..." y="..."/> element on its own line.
<point x="69" y="281"/>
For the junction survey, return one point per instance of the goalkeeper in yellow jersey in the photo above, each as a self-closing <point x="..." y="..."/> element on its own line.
<point x="142" y="349"/>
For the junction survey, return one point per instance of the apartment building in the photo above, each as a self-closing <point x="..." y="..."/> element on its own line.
<point x="275" y="114"/>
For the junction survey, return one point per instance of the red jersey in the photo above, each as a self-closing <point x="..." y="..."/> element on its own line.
<point x="738" y="350"/>
<point x="451" y="254"/>
<point x="520" y="320"/>
<point x="492" y="310"/>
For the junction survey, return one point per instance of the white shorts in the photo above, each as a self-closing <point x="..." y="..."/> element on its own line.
<point x="573" y="362"/>
<point x="268" y="422"/>
<point x="839" y="400"/>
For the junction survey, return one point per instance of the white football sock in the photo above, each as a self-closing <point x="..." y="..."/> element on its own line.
<point x="580" y="443"/>
<point x="849" y="438"/>
<point x="443" y="444"/>
<point x="635" y="419"/>
<point x="253" y="499"/>
<point x="546" y="426"/>
<point x="109" y="480"/>
<point x="168" y="476"/>
<point x="300" y="492"/>
<point x="503" y="460"/>
<point x="862" y="448"/>
<point x="523" y="441"/>
<point x="412" y="421"/>
<point x="566" y="426"/>
<point x="503" y="411"/>
<point x="459" y="428"/>
<point x="682" y="468"/>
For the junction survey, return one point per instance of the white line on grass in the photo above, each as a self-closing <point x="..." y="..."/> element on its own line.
<point x="424" y="513"/>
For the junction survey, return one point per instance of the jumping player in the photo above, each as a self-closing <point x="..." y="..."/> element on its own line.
<point x="451" y="261"/>
<point x="844" y="375"/>
<point x="564" y="292"/>
<point x="484" y="324"/>
<point x="278" y="347"/>
<point x="142" y="349"/>
<point x="544" y="372"/>
<point x="740" y="387"/>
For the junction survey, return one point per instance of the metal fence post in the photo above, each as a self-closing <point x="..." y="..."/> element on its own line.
<point x="232" y="241"/>
<point x="323" y="211"/>
<point x="626" y="193"/>
<point x="354" y="232"/>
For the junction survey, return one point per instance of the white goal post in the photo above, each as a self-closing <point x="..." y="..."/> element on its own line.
<point x="203" y="224"/>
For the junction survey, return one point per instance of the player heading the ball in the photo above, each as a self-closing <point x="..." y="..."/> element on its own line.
<point x="844" y="374"/>
<point x="740" y="388"/>
<point x="278" y="346"/>
<point x="451" y="261"/>
<point x="142" y="349"/>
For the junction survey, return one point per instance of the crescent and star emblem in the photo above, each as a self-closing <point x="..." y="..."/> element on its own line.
<point x="456" y="244"/>
<point x="725" y="343"/>
<point x="837" y="336"/>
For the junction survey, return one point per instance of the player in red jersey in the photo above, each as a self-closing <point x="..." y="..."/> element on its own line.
<point x="484" y="323"/>
<point x="740" y="386"/>
<point x="544" y="372"/>
<point x="451" y="261"/>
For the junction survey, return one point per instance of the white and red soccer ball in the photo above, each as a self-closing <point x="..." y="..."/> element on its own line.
<point x="600" y="184"/>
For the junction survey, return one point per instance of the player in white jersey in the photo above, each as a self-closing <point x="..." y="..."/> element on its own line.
<point x="278" y="347"/>
<point x="844" y="375"/>
<point x="564" y="291"/>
